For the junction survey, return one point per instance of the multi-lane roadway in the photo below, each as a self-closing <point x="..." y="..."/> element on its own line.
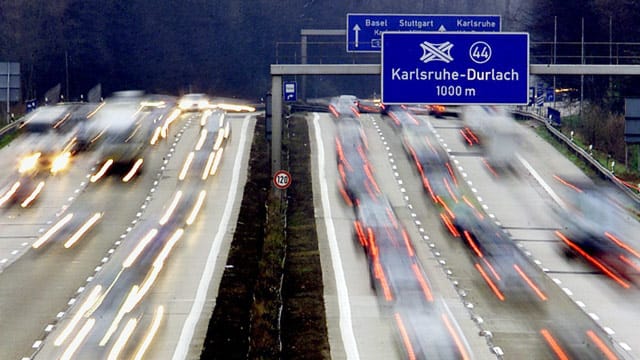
<point x="142" y="279"/>
<point x="572" y="309"/>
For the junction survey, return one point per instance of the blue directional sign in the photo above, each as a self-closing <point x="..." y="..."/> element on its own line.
<point x="455" y="68"/>
<point x="550" y="95"/>
<point x="290" y="90"/>
<point x="364" y="31"/>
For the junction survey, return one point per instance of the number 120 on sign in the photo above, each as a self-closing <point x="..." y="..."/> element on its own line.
<point x="282" y="179"/>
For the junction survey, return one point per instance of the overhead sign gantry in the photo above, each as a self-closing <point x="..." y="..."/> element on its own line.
<point x="364" y="31"/>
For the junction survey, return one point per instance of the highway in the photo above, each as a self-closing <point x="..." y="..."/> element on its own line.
<point x="141" y="281"/>
<point x="85" y="300"/>
<point x="579" y="305"/>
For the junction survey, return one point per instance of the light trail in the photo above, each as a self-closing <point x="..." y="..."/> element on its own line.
<point x="207" y="167"/>
<point x="122" y="340"/>
<point x="75" y="320"/>
<point x="186" y="166"/>
<point x="411" y="355"/>
<point x="553" y="344"/>
<point x="102" y="171"/>
<point x="153" y="330"/>
<point x="601" y="345"/>
<point x="456" y="337"/>
<point x="138" y="249"/>
<point x="216" y="162"/>
<point x="172" y="207"/>
<point x="77" y="341"/>
<point x="83" y="230"/>
<point x="219" y="139"/>
<point x="201" y="139"/>
<point x="196" y="208"/>
<point x="32" y="196"/>
<point x="134" y="170"/>
<point x="54" y="229"/>
<point x="491" y="284"/>
<point x="530" y="282"/>
<point x="9" y="193"/>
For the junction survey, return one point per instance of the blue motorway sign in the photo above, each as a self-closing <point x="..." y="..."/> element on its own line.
<point x="290" y="90"/>
<point x="455" y="68"/>
<point x="364" y="31"/>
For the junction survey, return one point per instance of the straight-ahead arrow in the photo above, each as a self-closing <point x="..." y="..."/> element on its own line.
<point x="356" y="29"/>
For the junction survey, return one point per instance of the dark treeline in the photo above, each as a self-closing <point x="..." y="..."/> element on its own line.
<point x="221" y="47"/>
<point x="225" y="47"/>
<point x="609" y="28"/>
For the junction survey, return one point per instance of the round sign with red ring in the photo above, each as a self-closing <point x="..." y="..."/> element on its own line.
<point x="282" y="179"/>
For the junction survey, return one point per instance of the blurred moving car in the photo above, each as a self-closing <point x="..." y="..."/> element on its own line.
<point x="593" y="230"/>
<point x="193" y="102"/>
<point x="369" y="105"/>
<point x="494" y="130"/>
<point x="505" y="269"/>
<point x="356" y="173"/>
<point x="432" y="162"/>
<point x="49" y="139"/>
<point x="344" y="106"/>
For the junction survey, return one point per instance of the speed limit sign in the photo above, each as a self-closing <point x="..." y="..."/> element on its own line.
<point x="282" y="179"/>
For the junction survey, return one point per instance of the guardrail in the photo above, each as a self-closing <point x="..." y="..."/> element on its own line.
<point x="604" y="172"/>
<point x="9" y="129"/>
<point x="307" y="107"/>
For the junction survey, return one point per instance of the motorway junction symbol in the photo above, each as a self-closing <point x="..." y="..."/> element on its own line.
<point x="452" y="68"/>
<point x="364" y="31"/>
<point x="436" y="52"/>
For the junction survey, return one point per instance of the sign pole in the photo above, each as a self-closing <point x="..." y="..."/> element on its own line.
<point x="8" y="90"/>
<point x="276" y="123"/>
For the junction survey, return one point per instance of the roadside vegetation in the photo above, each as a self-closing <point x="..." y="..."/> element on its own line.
<point x="600" y="133"/>
<point x="6" y="139"/>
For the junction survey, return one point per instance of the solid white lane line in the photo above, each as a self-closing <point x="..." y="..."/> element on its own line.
<point x="346" y="326"/>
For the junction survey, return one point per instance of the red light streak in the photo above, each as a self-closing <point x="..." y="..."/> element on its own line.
<point x="553" y="344"/>
<point x="493" y="286"/>
<point x="405" y="337"/>
<point x="622" y="244"/>
<point x="379" y="273"/>
<point x="473" y="244"/>
<point x="456" y="338"/>
<point x="566" y="183"/>
<point x="449" y="225"/>
<point x="530" y="282"/>
<point x="630" y="263"/>
<point x="493" y="271"/>
<point x="423" y="282"/>
<point x="601" y="345"/>
<point x="486" y="163"/>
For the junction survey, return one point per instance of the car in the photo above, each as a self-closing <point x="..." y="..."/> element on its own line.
<point x="505" y="269"/>
<point x="193" y="102"/>
<point x="593" y="229"/>
<point x="344" y="106"/>
<point x="431" y="161"/>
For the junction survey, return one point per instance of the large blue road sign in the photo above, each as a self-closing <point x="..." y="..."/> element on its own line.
<point x="455" y="68"/>
<point x="364" y="31"/>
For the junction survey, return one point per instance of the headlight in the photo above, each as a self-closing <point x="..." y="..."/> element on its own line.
<point x="60" y="162"/>
<point x="29" y="163"/>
